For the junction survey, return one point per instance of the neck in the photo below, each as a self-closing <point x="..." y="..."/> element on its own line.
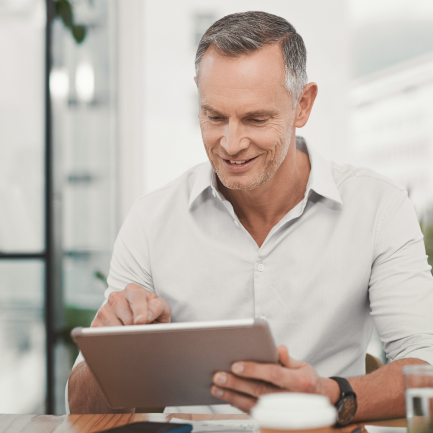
<point x="262" y="208"/>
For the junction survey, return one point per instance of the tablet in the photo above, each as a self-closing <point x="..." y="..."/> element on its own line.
<point x="170" y="364"/>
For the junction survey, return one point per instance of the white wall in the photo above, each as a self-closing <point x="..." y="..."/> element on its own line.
<point x="172" y="140"/>
<point x="391" y="126"/>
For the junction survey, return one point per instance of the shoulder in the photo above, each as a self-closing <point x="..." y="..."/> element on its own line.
<point x="371" y="196"/>
<point x="170" y="199"/>
<point x="363" y="182"/>
<point x="375" y="200"/>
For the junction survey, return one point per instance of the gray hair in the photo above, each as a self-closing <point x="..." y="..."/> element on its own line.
<point x="245" y="32"/>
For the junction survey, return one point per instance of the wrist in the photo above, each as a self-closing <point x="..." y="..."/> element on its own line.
<point x="330" y="389"/>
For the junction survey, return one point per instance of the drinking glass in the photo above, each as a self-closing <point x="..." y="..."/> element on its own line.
<point x="419" y="398"/>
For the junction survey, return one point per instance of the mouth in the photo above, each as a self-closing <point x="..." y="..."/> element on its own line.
<point x="239" y="166"/>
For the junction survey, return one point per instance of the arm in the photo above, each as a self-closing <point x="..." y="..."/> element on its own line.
<point x="125" y="304"/>
<point x="380" y="394"/>
<point x="85" y="396"/>
<point x="132" y="306"/>
<point x="401" y="300"/>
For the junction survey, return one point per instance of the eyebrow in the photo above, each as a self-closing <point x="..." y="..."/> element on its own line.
<point x="209" y="108"/>
<point x="248" y="114"/>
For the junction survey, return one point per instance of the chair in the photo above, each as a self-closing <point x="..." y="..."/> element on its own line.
<point x="372" y="363"/>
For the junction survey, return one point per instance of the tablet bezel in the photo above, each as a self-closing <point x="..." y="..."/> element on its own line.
<point x="164" y="327"/>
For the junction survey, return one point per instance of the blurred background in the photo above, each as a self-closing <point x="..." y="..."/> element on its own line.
<point x="98" y="106"/>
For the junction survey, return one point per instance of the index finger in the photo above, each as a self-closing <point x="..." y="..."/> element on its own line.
<point x="159" y="310"/>
<point x="138" y="298"/>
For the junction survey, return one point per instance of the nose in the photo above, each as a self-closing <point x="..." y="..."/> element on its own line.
<point x="233" y="140"/>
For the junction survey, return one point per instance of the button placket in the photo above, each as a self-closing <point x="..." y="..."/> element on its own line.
<point x="260" y="291"/>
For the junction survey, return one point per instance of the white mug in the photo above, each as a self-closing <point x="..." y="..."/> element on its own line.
<point x="293" y="412"/>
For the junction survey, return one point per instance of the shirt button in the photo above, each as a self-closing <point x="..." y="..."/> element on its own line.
<point x="263" y="318"/>
<point x="261" y="267"/>
<point x="236" y="223"/>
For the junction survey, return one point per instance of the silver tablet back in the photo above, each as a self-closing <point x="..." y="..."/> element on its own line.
<point x="172" y="367"/>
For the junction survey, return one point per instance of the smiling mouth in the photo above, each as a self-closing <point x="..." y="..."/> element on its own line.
<point x="240" y="162"/>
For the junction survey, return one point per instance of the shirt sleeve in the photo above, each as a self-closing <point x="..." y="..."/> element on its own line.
<point x="130" y="262"/>
<point x="401" y="284"/>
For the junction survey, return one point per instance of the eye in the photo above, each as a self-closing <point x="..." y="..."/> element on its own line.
<point x="259" y="120"/>
<point x="215" y="118"/>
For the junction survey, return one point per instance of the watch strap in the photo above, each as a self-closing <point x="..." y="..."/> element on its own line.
<point x="346" y="395"/>
<point x="345" y="388"/>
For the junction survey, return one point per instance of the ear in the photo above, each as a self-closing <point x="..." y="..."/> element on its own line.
<point x="195" y="81"/>
<point x="305" y="104"/>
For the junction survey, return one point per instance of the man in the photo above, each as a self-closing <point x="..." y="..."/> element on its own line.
<point x="270" y="229"/>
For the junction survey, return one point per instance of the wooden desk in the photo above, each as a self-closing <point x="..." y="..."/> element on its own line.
<point x="96" y="423"/>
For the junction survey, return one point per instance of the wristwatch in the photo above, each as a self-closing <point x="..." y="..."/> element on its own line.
<point x="346" y="405"/>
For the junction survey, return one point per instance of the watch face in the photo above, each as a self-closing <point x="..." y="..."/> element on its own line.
<point x="346" y="409"/>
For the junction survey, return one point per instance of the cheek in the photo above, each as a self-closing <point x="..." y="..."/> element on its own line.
<point x="269" y="138"/>
<point x="211" y="136"/>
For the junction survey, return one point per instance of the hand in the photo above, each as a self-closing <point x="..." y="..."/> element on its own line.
<point x="133" y="306"/>
<point x="249" y="380"/>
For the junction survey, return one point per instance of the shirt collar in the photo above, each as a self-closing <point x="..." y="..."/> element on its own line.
<point x="321" y="180"/>
<point x="203" y="181"/>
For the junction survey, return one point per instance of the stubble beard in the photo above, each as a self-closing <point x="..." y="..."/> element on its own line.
<point x="260" y="178"/>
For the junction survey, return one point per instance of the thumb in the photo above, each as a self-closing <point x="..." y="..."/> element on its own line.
<point x="286" y="360"/>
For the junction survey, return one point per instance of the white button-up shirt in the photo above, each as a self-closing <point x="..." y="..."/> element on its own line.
<point x="349" y="256"/>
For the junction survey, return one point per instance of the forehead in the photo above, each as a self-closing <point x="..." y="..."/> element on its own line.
<point x="257" y="78"/>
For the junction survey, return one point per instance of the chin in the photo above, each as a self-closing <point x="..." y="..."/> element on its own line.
<point x="248" y="183"/>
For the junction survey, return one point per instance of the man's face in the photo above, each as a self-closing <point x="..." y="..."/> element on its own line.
<point x="246" y="115"/>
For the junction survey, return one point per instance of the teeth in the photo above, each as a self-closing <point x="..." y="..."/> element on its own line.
<point x="238" y="162"/>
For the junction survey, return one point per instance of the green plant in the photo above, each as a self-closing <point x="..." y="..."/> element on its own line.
<point x="75" y="317"/>
<point x="65" y="11"/>
<point x="100" y="276"/>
